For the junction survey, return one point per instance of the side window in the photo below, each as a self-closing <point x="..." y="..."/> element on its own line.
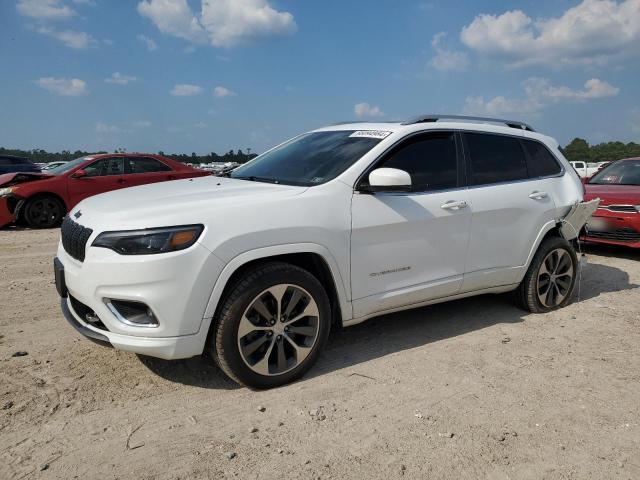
<point x="540" y="161"/>
<point x="430" y="159"/>
<point x="5" y="162"/>
<point x="578" y="165"/>
<point x="105" y="167"/>
<point x="146" y="165"/>
<point x="495" y="158"/>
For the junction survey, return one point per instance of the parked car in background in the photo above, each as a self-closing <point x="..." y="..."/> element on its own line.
<point x="11" y="164"/>
<point x="41" y="200"/>
<point x="584" y="169"/>
<point x="617" y="219"/>
<point x="52" y="165"/>
<point x="328" y="229"/>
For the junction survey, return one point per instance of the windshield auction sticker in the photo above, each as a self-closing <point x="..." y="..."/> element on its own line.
<point x="380" y="134"/>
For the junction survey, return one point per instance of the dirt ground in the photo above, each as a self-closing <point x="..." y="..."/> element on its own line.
<point x="464" y="390"/>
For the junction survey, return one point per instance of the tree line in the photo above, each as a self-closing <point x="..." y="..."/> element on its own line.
<point x="577" y="150"/>
<point x="580" y="150"/>
<point x="42" y="156"/>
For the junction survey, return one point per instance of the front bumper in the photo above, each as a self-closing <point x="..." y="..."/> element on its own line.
<point x="176" y="287"/>
<point x="613" y="228"/>
<point x="6" y="216"/>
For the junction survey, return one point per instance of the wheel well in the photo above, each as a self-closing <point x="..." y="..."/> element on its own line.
<point x="311" y="262"/>
<point x="23" y="202"/>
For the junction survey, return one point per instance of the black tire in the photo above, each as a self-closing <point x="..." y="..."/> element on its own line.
<point x="43" y="211"/>
<point x="531" y="289"/>
<point x="224" y="342"/>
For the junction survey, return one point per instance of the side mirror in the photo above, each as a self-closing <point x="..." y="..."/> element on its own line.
<point x="79" y="173"/>
<point x="389" y="180"/>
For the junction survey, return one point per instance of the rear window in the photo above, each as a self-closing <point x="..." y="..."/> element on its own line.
<point x="541" y="162"/>
<point x="495" y="158"/>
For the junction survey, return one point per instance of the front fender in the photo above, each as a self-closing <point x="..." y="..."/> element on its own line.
<point x="272" y="251"/>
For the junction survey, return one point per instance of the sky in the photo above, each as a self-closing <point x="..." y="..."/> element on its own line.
<point x="184" y="76"/>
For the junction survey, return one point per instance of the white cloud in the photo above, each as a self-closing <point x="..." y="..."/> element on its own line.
<point x="148" y="42"/>
<point x="45" y="9"/>
<point x="72" y="39"/>
<point x="200" y="125"/>
<point x="221" y="23"/>
<point x="186" y="90"/>
<point x="593" y="32"/>
<point x="445" y="58"/>
<point x="539" y="93"/>
<point x="68" y="87"/>
<point x="104" y="128"/>
<point x="363" y="110"/>
<point x="141" y="124"/>
<point x="221" y="92"/>
<point x="120" y="79"/>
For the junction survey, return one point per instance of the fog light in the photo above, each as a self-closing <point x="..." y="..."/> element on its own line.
<point x="136" y="314"/>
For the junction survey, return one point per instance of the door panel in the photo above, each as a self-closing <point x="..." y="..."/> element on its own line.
<point x="103" y="175"/>
<point x="406" y="249"/>
<point x="145" y="170"/>
<point x="508" y="209"/>
<point x="410" y="247"/>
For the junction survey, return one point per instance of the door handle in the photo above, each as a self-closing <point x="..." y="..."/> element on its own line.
<point x="454" y="205"/>
<point x="538" y="195"/>
<point x="172" y="177"/>
<point x="122" y="181"/>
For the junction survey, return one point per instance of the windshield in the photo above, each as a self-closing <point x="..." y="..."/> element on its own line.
<point x="624" y="172"/>
<point x="62" y="169"/>
<point x="310" y="159"/>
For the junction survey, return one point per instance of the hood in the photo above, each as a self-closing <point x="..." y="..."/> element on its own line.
<point x="613" y="194"/>
<point x="178" y="202"/>
<point x="9" y="179"/>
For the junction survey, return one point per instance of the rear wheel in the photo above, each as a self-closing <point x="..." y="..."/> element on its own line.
<point x="272" y="326"/>
<point x="44" y="211"/>
<point x="551" y="277"/>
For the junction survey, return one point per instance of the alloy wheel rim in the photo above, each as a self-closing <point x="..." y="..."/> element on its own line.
<point x="278" y="330"/>
<point x="44" y="212"/>
<point x="555" y="278"/>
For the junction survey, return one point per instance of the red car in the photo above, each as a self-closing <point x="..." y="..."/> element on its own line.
<point x="617" y="219"/>
<point x="41" y="200"/>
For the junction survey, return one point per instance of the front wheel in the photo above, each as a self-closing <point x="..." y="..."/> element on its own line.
<point x="272" y="326"/>
<point x="551" y="277"/>
<point x="44" y="211"/>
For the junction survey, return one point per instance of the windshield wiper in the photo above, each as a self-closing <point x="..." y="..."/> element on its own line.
<point x="253" y="178"/>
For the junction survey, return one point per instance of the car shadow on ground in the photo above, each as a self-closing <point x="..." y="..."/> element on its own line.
<point x="617" y="251"/>
<point x="396" y="332"/>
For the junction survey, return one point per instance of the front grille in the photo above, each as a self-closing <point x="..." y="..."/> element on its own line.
<point x="619" y="208"/>
<point x="86" y="314"/>
<point x="74" y="238"/>
<point x="620" y="235"/>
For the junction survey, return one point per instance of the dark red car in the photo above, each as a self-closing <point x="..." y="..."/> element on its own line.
<point x="41" y="200"/>
<point x="617" y="219"/>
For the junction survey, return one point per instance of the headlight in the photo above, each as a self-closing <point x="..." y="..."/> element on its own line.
<point x="149" y="241"/>
<point x="637" y="207"/>
<point x="5" y="192"/>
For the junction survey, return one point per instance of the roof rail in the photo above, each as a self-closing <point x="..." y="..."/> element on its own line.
<point x="435" y="118"/>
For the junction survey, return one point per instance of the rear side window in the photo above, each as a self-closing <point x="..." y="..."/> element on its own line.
<point x="430" y="159"/>
<point x="146" y="165"/>
<point x="495" y="158"/>
<point x="541" y="162"/>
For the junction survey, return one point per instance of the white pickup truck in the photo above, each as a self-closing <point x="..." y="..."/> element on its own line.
<point x="585" y="169"/>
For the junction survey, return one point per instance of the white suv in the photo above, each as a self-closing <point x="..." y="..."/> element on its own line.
<point x="330" y="228"/>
